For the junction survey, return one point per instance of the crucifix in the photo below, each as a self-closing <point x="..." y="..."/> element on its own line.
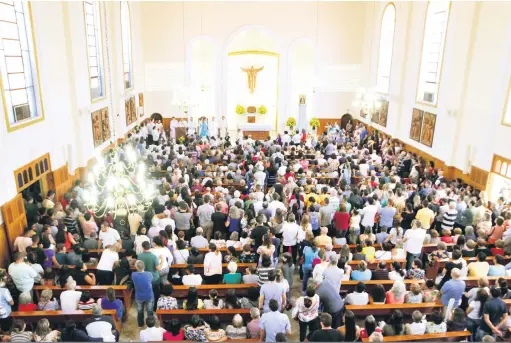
<point x="252" y="74"/>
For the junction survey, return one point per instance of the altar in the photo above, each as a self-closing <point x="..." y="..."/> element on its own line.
<point x="257" y="131"/>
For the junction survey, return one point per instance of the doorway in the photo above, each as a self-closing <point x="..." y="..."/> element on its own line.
<point x="345" y="119"/>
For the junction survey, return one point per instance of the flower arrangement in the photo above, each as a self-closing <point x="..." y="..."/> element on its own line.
<point x="181" y="140"/>
<point x="291" y="122"/>
<point x="314" y="123"/>
<point x="240" y="109"/>
<point x="262" y="109"/>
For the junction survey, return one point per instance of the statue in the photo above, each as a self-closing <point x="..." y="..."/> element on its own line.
<point x="303" y="99"/>
<point x="252" y="74"/>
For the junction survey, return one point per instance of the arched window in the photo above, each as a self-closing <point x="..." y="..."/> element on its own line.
<point x="433" y="43"/>
<point x="18" y="65"/>
<point x="126" y="45"/>
<point x="93" y="33"/>
<point x="388" y="25"/>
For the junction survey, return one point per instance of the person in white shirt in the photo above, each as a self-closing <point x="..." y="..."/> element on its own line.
<point x="199" y="241"/>
<point x="191" y="279"/>
<point x="21" y="273"/>
<point x="260" y="176"/>
<point x="359" y="297"/>
<point x="418" y="327"/>
<point x="286" y="139"/>
<point x="173" y="124"/>
<point x="213" y="128"/>
<point x="167" y="221"/>
<point x="69" y="299"/>
<point x="109" y="258"/>
<point x="213" y="266"/>
<point x="152" y="333"/>
<point x="275" y="204"/>
<point x="369" y="213"/>
<point x="290" y="235"/>
<point x="297" y="138"/>
<point x="108" y="236"/>
<point x="413" y="241"/>
<point x="223" y="127"/>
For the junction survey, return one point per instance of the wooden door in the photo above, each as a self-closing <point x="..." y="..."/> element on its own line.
<point x="62" y="182"/>
<point x="15" y="219"/>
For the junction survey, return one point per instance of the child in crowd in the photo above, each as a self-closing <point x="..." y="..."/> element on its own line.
<point x="418" y="326"/>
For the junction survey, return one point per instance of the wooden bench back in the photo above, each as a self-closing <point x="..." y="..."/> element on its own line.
<point x="387" y="309"/>
<point x="203" y="290"/>
<point x="225" y="315"/>
<point x="453" y="336"/>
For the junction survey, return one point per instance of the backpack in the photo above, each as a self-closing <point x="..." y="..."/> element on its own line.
<point x="314" y="222"/>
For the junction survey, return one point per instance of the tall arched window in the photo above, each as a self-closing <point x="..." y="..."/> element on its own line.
<point x="93" y="32"/>
<point x="433" y="43"/>
<point x="18" y="66"/>
<point x="127" y="62"/>
<point x="388" y="25"/>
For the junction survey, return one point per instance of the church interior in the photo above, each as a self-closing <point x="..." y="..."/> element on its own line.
<point x="78" y="78"/>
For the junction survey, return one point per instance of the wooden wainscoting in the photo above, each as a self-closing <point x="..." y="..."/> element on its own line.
<point x="15" y="219"/>
<point x="5" y="249"/>
<point x="63" y="181"/>
<point x="323" y="122"/>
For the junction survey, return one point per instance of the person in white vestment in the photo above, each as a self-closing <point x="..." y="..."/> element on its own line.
<point x="213" y="128"/>
<point x="223" y="127"/>
<point x="173" y="124"/>
<point x="191" y="126"/>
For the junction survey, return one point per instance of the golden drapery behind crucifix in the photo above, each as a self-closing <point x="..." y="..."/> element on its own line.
<point x="252" y="74"/>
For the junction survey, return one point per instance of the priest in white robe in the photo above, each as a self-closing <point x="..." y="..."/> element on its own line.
<point x="223" y="127"/>
<point x="213" y="128"/>
<point x="173" y="124"/>
<point x="191" y="127"/>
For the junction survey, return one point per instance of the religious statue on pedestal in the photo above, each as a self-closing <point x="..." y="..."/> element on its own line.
<point x="252" y="75"/>
<point x="303" y="99"/>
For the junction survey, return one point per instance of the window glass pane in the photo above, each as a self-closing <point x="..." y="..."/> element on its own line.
<point x="432" y="51"/>
<point x="11" y="47"/>
<point x="94" y="47"/>
<point x="19" y="97"/>
<point x="7" y="13"/>
<point x="16" y="81"/>
<point x="385" y="50"/>
<point x="14" y="64"/>
<point x="126" y="44"/>
<point x="9" y="30"/>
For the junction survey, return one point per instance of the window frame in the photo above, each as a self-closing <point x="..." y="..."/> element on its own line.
<point x="37" y="88"/>
<point x="504" y="121"/>
<point x="130" y="47"/>
<point x="103" y="81"/>
<point x="441" y="61"/>
<point x="379" y="48"/>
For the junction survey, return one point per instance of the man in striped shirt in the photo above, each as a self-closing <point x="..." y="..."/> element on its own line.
<point x="449" y="217"/>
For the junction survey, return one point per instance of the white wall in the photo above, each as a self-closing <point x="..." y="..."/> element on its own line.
<point x="474" y="79"/>
<point x="338" y="41"/>
<point x="65" y="132"/>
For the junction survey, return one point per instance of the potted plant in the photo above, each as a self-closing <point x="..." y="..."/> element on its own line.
<point x="240" y="109"/>
<point x="262" y="109"/>
<point x="314" y="123"/>
<point x="291" y="122"/>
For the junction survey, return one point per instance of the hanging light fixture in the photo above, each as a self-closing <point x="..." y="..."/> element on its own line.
<point x="118" y="181"/>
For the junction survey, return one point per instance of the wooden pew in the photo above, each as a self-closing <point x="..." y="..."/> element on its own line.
<point x="96" y="292"/>
<point x="453" y="336"/>
<point x="62" y="316"/>
<point x="387" y="309"/>
<point x="429" y="248"/>
<point x="203" y="290"/>
<point x="349" y="286"/>
<point x="225" y="315"/>
<point x="426" y="248"/>
<point x="199" y="268"/>
<point x="471" y="281"/>
<point x="373" y="265"/>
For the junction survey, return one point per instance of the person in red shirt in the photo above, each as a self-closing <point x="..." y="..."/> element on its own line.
<point x="446" y="236"/>
<point x="342" y="219"/>
<point x="26" y="303"/>
<point x="499" y="248"/>
<point x="174" y="331"/>
<point x="304" y="136"/>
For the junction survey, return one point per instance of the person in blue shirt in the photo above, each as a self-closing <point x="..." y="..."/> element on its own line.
<point x="309" y="254"/>
<point x="453" y="288"/>
<point x="362" y="273"/>
<point x="144" y="297"/>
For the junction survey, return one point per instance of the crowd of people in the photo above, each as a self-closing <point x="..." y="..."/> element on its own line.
<point x="299" y="210"/>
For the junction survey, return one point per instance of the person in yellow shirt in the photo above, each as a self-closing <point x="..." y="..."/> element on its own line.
<point x="324" y="194"/>
<point x="323" y="239"/>
<point x="369" y="250"/>
<point x="479" y="268"/>
<point x="309" y="195"/>
<point x="425" y="215"/>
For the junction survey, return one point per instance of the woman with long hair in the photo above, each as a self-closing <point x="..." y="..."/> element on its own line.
<point x="475" y="312"/>
<point x="306" y="312"/>
<point x="350" y="329"/>
<point x="44" y="333"/>
<point x="235" y="216"/>
<point x="278" y="221"/>
<point x="231" y="300"/>
<point x="192" y="301"/>
<point x="370" y="326"/>
<point x="266" y="248"/>
<point x="397" y="273"/>
<point x="110" y="302"/>
<point x="174" y="331"/>
<point x="394" y="326"/>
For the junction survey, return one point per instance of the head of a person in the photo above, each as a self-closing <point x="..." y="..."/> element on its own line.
<point x="166" y="290"/>
<point x="173" y="326"/>
<point x="274" y="305"/>
<point x="325" y="320"/>
<point x="96" y="310"/>
<point x="255" y="313"/>
<point x="436" y="317"/>
<point x="481" y="257"/>
<point x="25" y="298"/>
